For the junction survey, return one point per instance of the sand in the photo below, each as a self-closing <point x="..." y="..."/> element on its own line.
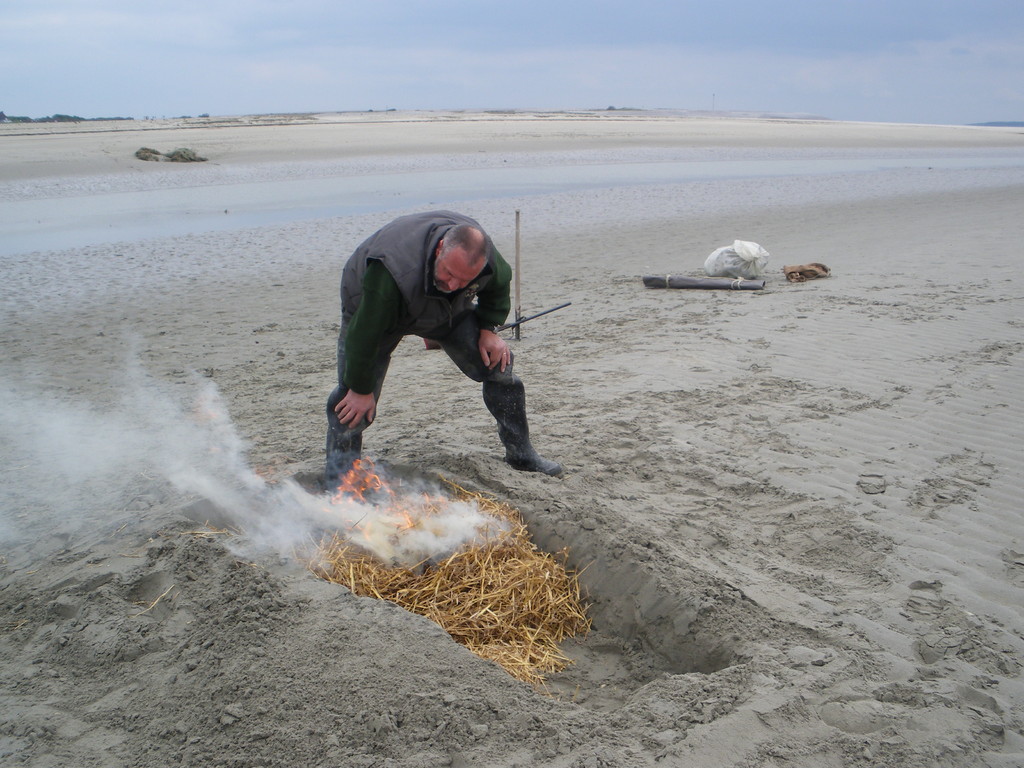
<point x="798" y="508"/>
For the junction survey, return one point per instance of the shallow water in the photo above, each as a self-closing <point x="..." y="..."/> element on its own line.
<point x="85" y="218"/>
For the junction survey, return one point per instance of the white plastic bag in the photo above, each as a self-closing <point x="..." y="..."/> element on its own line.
<point x="741" y="259"/>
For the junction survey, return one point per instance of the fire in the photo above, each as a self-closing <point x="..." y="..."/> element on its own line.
<point x="359" y="481"/>
<point x="407" y="529"/>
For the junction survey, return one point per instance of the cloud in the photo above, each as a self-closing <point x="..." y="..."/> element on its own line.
<point x="837" y="59"/>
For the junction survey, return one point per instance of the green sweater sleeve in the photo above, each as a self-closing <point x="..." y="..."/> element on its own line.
<point x="379" y="311"/>
<point x="494" y="302"/>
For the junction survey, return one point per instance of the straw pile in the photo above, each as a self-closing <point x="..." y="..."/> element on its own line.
<point x="503" y="599"/>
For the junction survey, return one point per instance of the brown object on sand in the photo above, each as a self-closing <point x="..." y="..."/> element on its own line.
<point x="179" y="155"/>
<point x="798" y="273"/>
<point x="184" y="155"/>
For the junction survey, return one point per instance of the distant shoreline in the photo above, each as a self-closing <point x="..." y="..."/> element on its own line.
<point x="293" y="118"/>
<point x="54" y="150"/>
<point x="72" y="124"/>
<point x="102" y="124"/>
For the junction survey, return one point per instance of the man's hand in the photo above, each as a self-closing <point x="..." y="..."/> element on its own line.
<point x="493" y="349"/>
<point x="354" y="407"/>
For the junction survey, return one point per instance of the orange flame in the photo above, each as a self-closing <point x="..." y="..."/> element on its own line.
<point x="359" y="481"/>
<point x="362" y="481"/>
<point x="384" y="530"/>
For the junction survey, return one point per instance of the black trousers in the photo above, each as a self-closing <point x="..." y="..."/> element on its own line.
<point x="344" y="443"/>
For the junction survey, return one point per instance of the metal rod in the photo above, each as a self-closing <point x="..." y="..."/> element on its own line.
<point x="517" y="323"/>
<point x="519" y="305"/>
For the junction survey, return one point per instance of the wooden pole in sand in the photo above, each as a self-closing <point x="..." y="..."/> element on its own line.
<point x="519" y="306"/>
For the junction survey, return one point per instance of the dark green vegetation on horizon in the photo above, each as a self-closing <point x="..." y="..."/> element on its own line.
<point x="58" y="118"/>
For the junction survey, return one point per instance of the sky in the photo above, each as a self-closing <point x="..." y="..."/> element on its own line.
<point x="910" y="61"/>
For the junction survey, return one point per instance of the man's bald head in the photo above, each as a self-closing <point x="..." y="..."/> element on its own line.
<point x="470" y="239"/>
<point x="461" y="256"/>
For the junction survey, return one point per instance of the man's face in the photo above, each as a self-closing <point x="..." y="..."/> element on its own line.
<point x="455" y="269"/>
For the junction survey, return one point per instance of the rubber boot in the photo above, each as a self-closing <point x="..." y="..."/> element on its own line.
<point x="344" y="446"/>
<point x="341" y="455"/>
<point x="507" y="404"/>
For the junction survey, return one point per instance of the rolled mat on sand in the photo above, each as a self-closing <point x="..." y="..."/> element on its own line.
<point x="798" y="273"/>
<point x="681" y="281"/>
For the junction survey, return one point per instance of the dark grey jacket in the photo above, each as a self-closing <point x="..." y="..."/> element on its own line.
<point x="406" y="247"/>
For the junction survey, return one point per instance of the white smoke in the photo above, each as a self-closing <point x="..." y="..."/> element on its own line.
<point x="404" y="530"/>
<point x="76" y="463"/>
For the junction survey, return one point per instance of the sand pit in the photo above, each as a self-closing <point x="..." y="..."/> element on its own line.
<point x="797" y="507"/>
<point x="495" y="593"/>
